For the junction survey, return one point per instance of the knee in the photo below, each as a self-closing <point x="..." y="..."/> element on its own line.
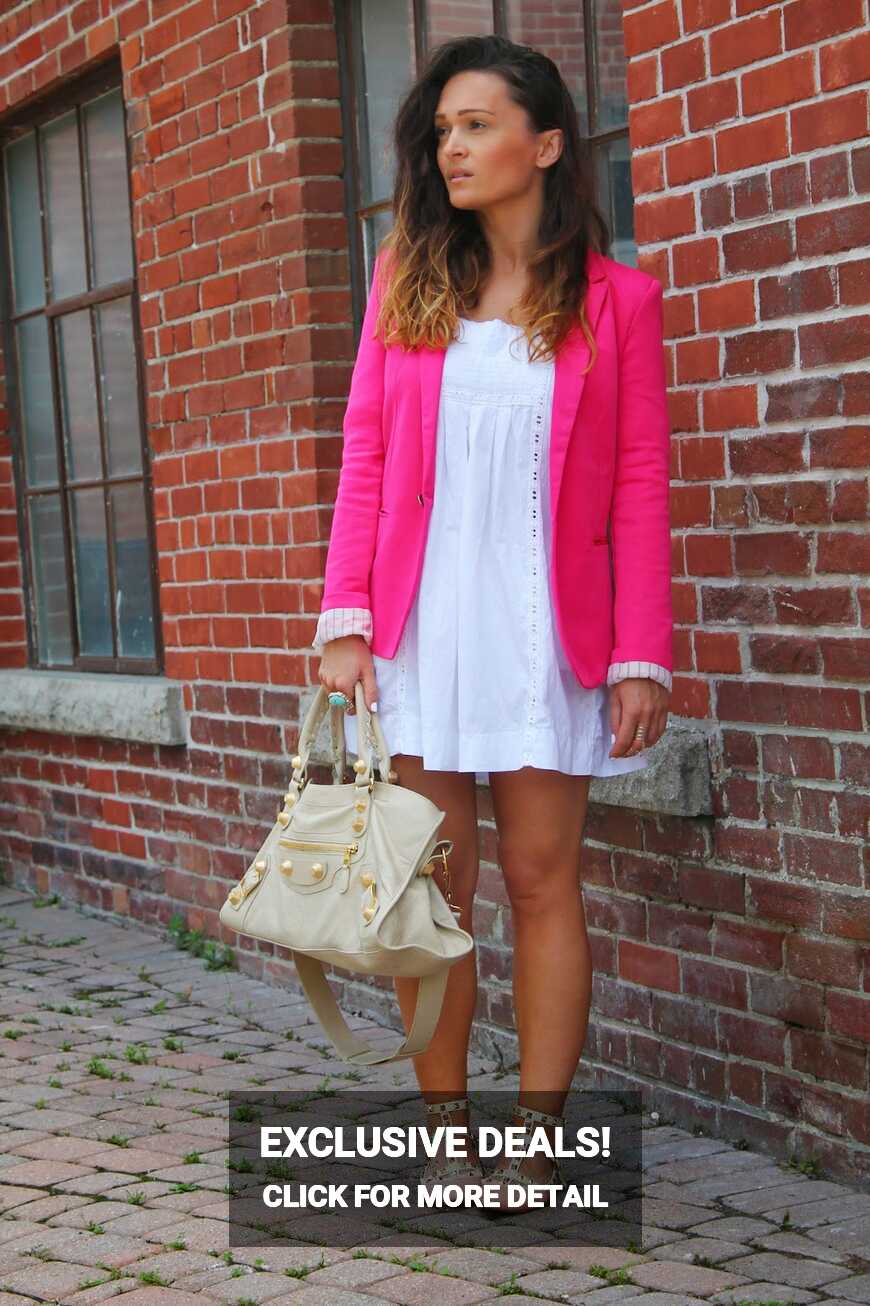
<point x="539" y="875"/>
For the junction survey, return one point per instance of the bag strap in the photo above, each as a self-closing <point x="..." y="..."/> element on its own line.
<point x="370" y="738"/>
<point x="430" y="998"/>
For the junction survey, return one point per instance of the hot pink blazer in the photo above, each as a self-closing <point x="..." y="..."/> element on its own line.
<point x="610" y="571"/>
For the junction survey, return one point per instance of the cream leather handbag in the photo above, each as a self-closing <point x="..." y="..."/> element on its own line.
<point x="345" y="877"/>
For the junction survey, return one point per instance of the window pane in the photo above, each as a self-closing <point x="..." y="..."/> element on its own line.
<point x="609" y="59"/>
<point x="615" y="197"/>
<point x="557" y="30"/>
<point x="22" y="183"/>
<point x="374" y="228"/>
<point x="133" y="609"/>
<point x="117" y="363"/>
<point x="91" y="568"/>
<point x="387" y="45"/>
<point x="49" y="574"/>
<point x="63" y="191"/>
<point x="109" y="196"/>
<point x="79" y="397"/>
<point x="453" y="18"/>
<point x="37" y="414"/>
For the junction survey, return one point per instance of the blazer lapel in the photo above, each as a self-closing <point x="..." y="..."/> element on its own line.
<point x="569" y="378"/>
<point x="572" y="360"/>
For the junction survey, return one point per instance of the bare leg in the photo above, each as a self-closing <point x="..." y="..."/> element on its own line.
<point x="540" y="817"/>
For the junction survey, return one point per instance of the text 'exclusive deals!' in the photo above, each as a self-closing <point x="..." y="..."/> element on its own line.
<point x="343" y="1166"/>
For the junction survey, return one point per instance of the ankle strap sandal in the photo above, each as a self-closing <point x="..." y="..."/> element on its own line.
<point x="510" y="1172"/>
<point x="450" y="1169"/>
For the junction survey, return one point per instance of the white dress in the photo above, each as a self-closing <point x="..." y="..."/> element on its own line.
<point x="480" y="681"/>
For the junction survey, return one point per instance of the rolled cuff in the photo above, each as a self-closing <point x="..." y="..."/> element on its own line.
<point x="336" y="622"/>
<point x="650" y="670"/>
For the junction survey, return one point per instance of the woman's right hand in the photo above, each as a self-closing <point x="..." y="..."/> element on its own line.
<point x="345" y="661"/>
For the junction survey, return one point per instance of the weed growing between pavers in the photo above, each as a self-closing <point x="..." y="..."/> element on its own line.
<point x="217" y="956"/>
<point x="97" y="1066"/>
<point x="808" y="1167"/>
<point x="615" y="1278"/>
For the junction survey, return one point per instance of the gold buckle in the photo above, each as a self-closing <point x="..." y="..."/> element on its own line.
<point x="442" y="853"/>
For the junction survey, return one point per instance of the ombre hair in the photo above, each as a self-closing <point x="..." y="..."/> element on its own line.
<point x="438" y="256"/>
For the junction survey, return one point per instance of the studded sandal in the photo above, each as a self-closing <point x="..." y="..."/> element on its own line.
<point x="510" y="1172"/>
<point x="450" y="1169"/>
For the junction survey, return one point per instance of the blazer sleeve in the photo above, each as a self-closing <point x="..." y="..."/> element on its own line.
<point x="640" y="508"/>
<point x="355" y="518"/>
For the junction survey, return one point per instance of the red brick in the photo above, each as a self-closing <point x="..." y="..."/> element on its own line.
<point x="654" y="968"/>
<point x="844" y="551"/>
<point x="806" y="22"/>
<point x="809" y="290"/>
<point x="747" y="1036"/>
<point x="758" y="248"/>
<point x="656" y="25"/>
<point x="849" y="1015"/>
<point x="749" y="944"/>
<point x="760" y="141"/>
<point x="708" y="555"/>
<point x="754" y="352"/>
<point x="779" y="84"/>
<point x="740" y="43"/>
<point x="792" y="904"/>
<point x="771" y="553"/>
<point x="824" y="961"/>
<point x="679" y="927"/>
<point x="800" y="705"/>
<point x="798" y="755"/>
<point x="846" y="916"/>
<point x="730" y="407"/>
<point x="717" y="653"/>
<point x="699" y="14"/>
<point x="724" y="986"/>
<point x="683" y="63"/>
<point x="844" y="62"/>
<point x="676" y="1017"/>
<point x="690" y="160"/>
<point x="729" y="305"/>
<point x="821" y="605"/>
<point x="711" y="104"/>
<point x="835" y="231"/>
<point x="695" y="261"/>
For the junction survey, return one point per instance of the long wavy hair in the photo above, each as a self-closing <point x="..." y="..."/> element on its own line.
<point x="438" y="256"/>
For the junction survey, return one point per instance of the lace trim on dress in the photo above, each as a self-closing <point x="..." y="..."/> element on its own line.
<point x="536" y="553"/>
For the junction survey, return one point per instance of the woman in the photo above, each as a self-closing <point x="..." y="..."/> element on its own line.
<point x="499" y="563"/>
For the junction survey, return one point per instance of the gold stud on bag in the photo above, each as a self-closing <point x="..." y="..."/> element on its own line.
<point x="347" y="877"/>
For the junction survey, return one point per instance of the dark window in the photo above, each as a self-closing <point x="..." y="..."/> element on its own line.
<point x="73" y="363"/>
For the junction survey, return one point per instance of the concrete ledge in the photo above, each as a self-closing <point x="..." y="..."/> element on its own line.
<point x="147" y="709"/>
<point x="677" y="782"/>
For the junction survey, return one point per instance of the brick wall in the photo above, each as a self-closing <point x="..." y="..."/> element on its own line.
<point x="741" y="949"/>
<point x="730" y="954"/>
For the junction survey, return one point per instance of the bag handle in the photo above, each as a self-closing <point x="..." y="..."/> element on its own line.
<point x="370" y="737"/>
<point x="430" y="998"/>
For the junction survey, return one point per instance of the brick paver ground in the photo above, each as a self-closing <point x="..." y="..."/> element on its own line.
<point x="118" y="1048"/>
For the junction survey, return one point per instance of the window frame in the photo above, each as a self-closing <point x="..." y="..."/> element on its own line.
<point x="107" y="77"/>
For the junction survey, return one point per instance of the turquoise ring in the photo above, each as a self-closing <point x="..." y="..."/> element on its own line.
<point x="339" y="700"/>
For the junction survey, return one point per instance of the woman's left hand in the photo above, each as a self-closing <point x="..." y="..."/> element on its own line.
<point x="637" y="701"/>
